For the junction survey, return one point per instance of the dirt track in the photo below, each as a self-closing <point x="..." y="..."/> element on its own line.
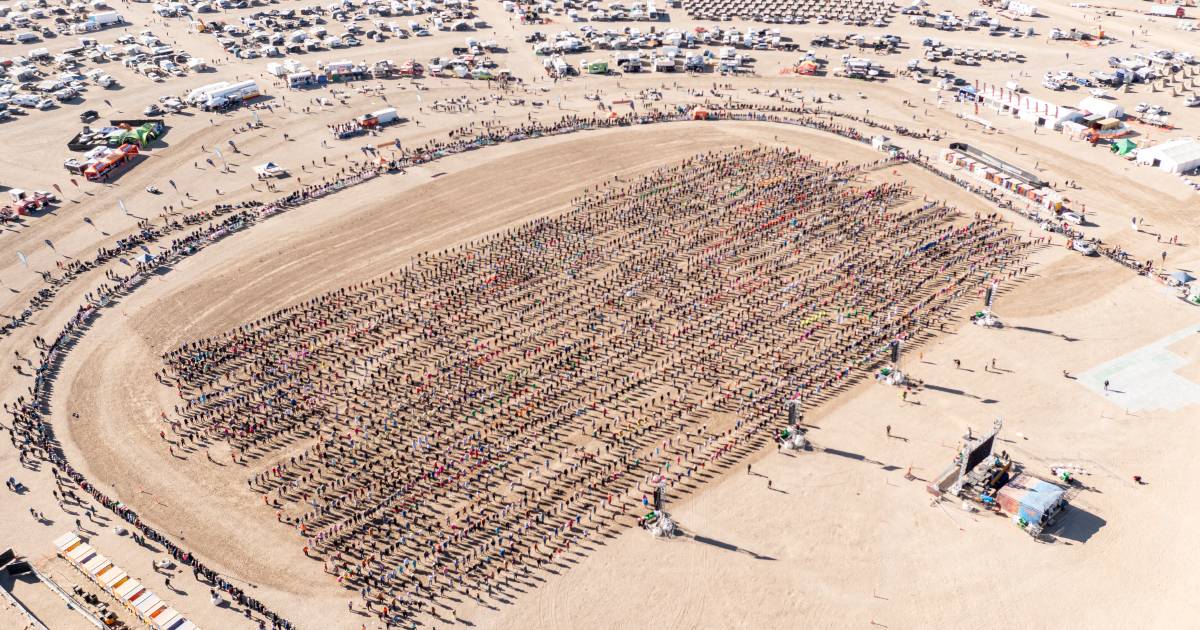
<point x="306" y="252"/>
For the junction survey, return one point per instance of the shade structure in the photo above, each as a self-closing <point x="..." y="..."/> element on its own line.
<point x="1030" y="499"/>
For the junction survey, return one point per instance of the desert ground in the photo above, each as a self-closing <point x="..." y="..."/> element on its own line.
<point x="1097" y="368"/>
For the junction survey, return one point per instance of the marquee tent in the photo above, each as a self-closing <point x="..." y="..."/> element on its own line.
<point x="1175" y="156"/>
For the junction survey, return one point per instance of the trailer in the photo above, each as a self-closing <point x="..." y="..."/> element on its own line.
<point x="104" y="19"/>
<point x="102" y="162"/>
<point x="236" y="93"/>
<point x="1166" y="10"/>
<point x="342" y="71"/>
<point x="200" y="94"/>
<point x="594" y="67"/>
<point x="380" y="118"/>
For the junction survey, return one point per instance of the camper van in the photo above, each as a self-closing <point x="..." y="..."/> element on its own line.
<point x="25" y="100"/>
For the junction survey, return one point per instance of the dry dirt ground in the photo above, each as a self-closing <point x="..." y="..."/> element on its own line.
<point x="846" y="537"/>
<point x="845" y="541"/>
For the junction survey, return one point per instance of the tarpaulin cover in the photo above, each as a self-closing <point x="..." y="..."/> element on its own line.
<point x="1028" y="497"/>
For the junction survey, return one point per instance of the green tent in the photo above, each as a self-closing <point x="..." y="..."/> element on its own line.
<point x="120" y="137"/>
<point x="1122" y="146"/>
<point x="143" y="136"/>
<point x="148" y="131"/>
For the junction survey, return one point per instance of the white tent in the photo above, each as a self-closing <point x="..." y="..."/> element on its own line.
<point x="1022" y="8"/>
<point x="1175" y="156"/>
<point x="144" y="257"/>
<point x="1104" y="108"/>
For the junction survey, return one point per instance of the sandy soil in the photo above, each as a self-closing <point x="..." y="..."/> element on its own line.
<point x="846" y="541"/>
<point x="329" y="245"/>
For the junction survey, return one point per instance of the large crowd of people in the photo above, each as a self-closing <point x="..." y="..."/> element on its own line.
<point x="34" y="437"/>
<point x="476" y="415"/>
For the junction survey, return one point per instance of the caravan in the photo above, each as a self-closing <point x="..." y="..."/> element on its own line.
<point x="232" y="94"/>
<point x="217" y="95"/>
<point x="298" y="80"/>
<point x="200" y="94"/>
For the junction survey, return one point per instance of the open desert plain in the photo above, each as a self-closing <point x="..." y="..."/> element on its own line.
<point x="562" y="314"/>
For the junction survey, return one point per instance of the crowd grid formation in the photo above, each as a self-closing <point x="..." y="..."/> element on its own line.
<point x="450" y="427"/>
<point x="34" y="436"/>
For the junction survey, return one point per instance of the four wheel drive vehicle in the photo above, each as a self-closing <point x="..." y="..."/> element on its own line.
<point x="89" y="116"/>
<point x="1071" y="217"/>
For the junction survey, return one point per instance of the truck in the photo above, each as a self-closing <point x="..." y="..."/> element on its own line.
<point x="411" y="68"/>
<point x="237" y="92"/>
<point x="385" y="116"/>
<point x="200" y="94"/>
<point x="105" y="19"/>
<point x="1166" y="10"/>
